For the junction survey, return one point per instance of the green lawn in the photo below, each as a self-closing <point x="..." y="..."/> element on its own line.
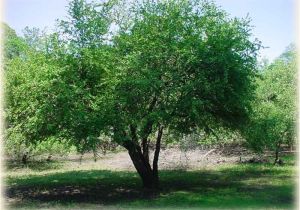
<point x="240" y="186"/>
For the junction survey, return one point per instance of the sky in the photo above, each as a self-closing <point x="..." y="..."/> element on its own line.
<point x="274" y="21"/>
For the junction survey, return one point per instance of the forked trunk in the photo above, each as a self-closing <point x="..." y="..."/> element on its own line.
<point x="149" y="179"/>
<point x="140" y="159"/>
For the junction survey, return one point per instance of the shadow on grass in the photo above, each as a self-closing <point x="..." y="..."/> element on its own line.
<point x="245" y="185"/>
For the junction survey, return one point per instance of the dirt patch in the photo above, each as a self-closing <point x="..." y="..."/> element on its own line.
<point x="169" y="159"/>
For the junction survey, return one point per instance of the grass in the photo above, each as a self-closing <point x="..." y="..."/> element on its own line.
<point x="240" y="186"/>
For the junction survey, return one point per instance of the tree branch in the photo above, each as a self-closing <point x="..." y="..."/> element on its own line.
<point x="133" y="133"/>
<point x="157" y="150"/>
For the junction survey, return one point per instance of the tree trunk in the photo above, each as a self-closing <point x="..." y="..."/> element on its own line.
<point x="139" y="155"/>
<point x="277" y="153"/>
<point x="25" y="158"/>
<point x="156" y="155"/>
<point x="276" y="156"/>
<point x="141" y="165"/>
<point x="140" y="160"/>
<point x="144" y="170"/>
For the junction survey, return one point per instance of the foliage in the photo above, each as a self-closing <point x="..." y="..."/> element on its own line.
<point x="172" y="65"/>
<point x="35" y="38"/>
<point x="274" y="109"/>
<point x="29" y="93"/>
<point x="16" y="148"/>
<point x="13" y="45"/>
<point x="218" y="137"/>
<point x="192" y="59"/>
<point x="48" y="89"/>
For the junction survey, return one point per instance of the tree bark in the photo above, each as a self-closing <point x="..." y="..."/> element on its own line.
<point x="141" y="164"/>
<point x="156" y="156"/>
<point x="277" y="153"/>
<point x="139" y="154"/>
<point x="147" y="130"/>
<point x="145" y="142"/>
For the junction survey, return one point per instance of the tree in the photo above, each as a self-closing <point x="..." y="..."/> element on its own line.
<point x="181" y="65"/>
<point x="30" y="76"/>
<point x="63" y="105"/>
<point x="13" y="45"/>
<point x="29" y="96"/>
<point x="273" y="120"/>
<point x="173" y="65"/>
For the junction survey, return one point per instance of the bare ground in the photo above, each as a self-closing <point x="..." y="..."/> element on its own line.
<point x="171" y="158"/>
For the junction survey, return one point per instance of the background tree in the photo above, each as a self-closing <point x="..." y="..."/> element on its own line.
<point x="13" y="45"/>
<point x="30" y="76"/>
<point x="29" y="95"/>
<point x="274" y="109"/>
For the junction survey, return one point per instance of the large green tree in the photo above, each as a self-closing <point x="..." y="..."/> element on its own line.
<point x="182" y="65"/>
<point x="172" y="65"/>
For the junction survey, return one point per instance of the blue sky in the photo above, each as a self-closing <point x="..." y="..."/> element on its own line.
<point x="273" y="20"/>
